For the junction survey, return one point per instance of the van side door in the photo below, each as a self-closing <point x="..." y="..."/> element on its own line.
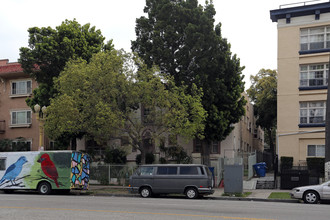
<point x="165" y="179"/>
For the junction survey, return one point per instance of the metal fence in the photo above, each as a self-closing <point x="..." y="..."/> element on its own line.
<point x="111" y="174"/>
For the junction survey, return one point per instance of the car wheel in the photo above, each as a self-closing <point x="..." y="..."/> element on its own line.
<point x="145" y="192"/>
<point x="311" y="197"/>
<point x="191" y="193"/>
<point x="44" y="188"/>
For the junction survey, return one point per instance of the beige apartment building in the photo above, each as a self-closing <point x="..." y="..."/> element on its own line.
<point x="17" y="121"/>
<point x="303" y="64"/>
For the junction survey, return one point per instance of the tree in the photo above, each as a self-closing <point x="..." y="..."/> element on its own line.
<point x="263" y="92"/>
<point x="102" y="98"/>
<point x="50" y="49"/>
<point x="179" y="36"/>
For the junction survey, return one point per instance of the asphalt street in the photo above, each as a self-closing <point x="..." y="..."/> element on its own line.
<point x="33" y="206"/>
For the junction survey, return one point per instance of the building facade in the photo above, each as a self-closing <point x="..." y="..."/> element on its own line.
<point x="303" y="65"/>
<point x="17" y="121"/>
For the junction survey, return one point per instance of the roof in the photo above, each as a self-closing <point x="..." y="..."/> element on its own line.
<point x="299" y="11"/>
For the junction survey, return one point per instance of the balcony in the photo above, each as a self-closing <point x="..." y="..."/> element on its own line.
<point x="2" y="126"/>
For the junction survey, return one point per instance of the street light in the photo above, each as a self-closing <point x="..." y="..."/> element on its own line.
<point x="41" y="120"/>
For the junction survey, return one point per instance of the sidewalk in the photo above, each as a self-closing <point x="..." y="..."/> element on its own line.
<point x="256" y="194"/>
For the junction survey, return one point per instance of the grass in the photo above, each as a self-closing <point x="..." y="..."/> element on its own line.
<point x="245" y="194"/>
<point x="110" y="191"/>
<point x="279" y="195"/>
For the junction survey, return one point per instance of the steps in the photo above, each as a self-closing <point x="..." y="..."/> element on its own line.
<point x="265" y="184"/>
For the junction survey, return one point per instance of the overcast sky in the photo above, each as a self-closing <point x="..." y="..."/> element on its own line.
<point x="246" y="25"/>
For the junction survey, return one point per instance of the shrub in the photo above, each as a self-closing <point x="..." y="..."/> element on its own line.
<point x="115" y="156"/>
<point x="150" y="158"/>
<point x="316" y="165"/>
<point x="286" y="162"/>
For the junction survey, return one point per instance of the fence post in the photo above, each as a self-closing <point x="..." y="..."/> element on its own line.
<point x="109" y="173"/>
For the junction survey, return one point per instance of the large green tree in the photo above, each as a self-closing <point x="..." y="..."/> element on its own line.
<point x="263" y="93"/>
<point x="50" y="49"/>
<point x="103" y="98"/>
<point x="180" y="37"/>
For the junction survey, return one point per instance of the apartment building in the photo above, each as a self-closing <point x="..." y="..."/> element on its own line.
<point x="303" y="65"/>
<point x="17" y="121"/>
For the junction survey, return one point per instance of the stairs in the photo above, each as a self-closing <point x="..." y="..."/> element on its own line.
<point x="265" y="183"/>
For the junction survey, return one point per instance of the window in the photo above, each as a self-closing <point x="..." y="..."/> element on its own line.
<point x="215" y="147"/>
<point x="312" y="112"/>
<point x="22" y="87"/>
<point x="167" y="170"/>
<point x="314" y="38"/>
<point x="316" y="150"/>
<point x="188" y="171"/>
<point x="147" y="115"/>
<point x="146" y="171"/>
<point x="314" y="75"/>
<point x="197" y="146"/>
<point x="2" y="163"/>
<point x="21" y="117"/>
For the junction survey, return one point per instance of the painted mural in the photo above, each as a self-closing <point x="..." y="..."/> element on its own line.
<point x="63" y="169"/>
<point x="80" y="170"/>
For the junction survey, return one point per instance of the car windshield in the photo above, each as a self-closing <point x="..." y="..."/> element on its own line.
<point x="326" y="183"/>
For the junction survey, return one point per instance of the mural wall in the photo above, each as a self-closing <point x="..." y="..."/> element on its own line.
<point x="63" y="169"/>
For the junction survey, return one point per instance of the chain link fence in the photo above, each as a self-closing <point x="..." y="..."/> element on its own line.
<point x="111" y="174"/>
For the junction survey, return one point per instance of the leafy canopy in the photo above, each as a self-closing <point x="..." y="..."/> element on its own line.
<point x="50" y="49"/>
<point x="104" y="97"/>
<point x="179" y="37"/>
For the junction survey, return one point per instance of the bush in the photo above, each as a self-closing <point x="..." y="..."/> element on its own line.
<point x="115" y="156"/>
<point x="150" y="158"/>
<point x="316" y="165"/>
<point x="286" y="162"/>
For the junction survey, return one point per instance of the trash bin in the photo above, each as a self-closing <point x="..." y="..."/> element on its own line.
<point x="260" y="169"/>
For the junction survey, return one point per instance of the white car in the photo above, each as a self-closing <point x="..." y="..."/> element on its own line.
<point x="312" y="194"/>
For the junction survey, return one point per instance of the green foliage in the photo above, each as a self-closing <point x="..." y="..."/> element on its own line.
<point x="149" y="158"/>
<point x="176" y="153"/>
<point x="17" y="144"/>
<point x="115" y="156"/>
<point x="50" y="49"/>
<point x="286" y="162"/>
<point x="180" y="37"/>
<point x="100" y="99"/>
<point x="316" y="165"/>
<point x="263" y="92"/>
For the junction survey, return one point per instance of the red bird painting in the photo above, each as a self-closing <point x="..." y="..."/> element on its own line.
<point x="49" y="168"/>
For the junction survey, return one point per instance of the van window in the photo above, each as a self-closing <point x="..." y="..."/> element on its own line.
<point x="202" y="170"/>
<point x="167" y="170"/>
<point x="146" y="171"/>
<point x="2" y="163"/>
<point x="188" y="171"/>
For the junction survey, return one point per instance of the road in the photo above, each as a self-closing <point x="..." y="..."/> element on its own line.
<point x="33" y="206"/>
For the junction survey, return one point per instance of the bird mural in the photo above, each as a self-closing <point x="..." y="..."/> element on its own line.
<point x="48" y="167"/>
<point x="14" y="170"/>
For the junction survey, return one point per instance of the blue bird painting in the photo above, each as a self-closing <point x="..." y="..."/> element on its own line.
<point x="14" y="170"/>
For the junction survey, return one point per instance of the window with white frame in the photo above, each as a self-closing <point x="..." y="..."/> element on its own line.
<point x="22" y="117"/>
<point x="314" y="75"/>
<point x="21" y="87"/>
<point x="312" y="112"/>
<point x="315" y="38"/>
<point x="316" y="150"/>
<point x="21" y="145"/>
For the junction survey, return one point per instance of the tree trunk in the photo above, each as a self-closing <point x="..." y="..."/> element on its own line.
<point x="206" y="154"/>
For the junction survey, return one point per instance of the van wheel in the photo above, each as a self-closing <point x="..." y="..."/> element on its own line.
<point x="191" y="193"/>
<point x="44" y="188"/>
<point x="145" y="192"/>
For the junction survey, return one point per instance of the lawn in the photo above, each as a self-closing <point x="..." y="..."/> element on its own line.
<point x="279" y="195"/>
